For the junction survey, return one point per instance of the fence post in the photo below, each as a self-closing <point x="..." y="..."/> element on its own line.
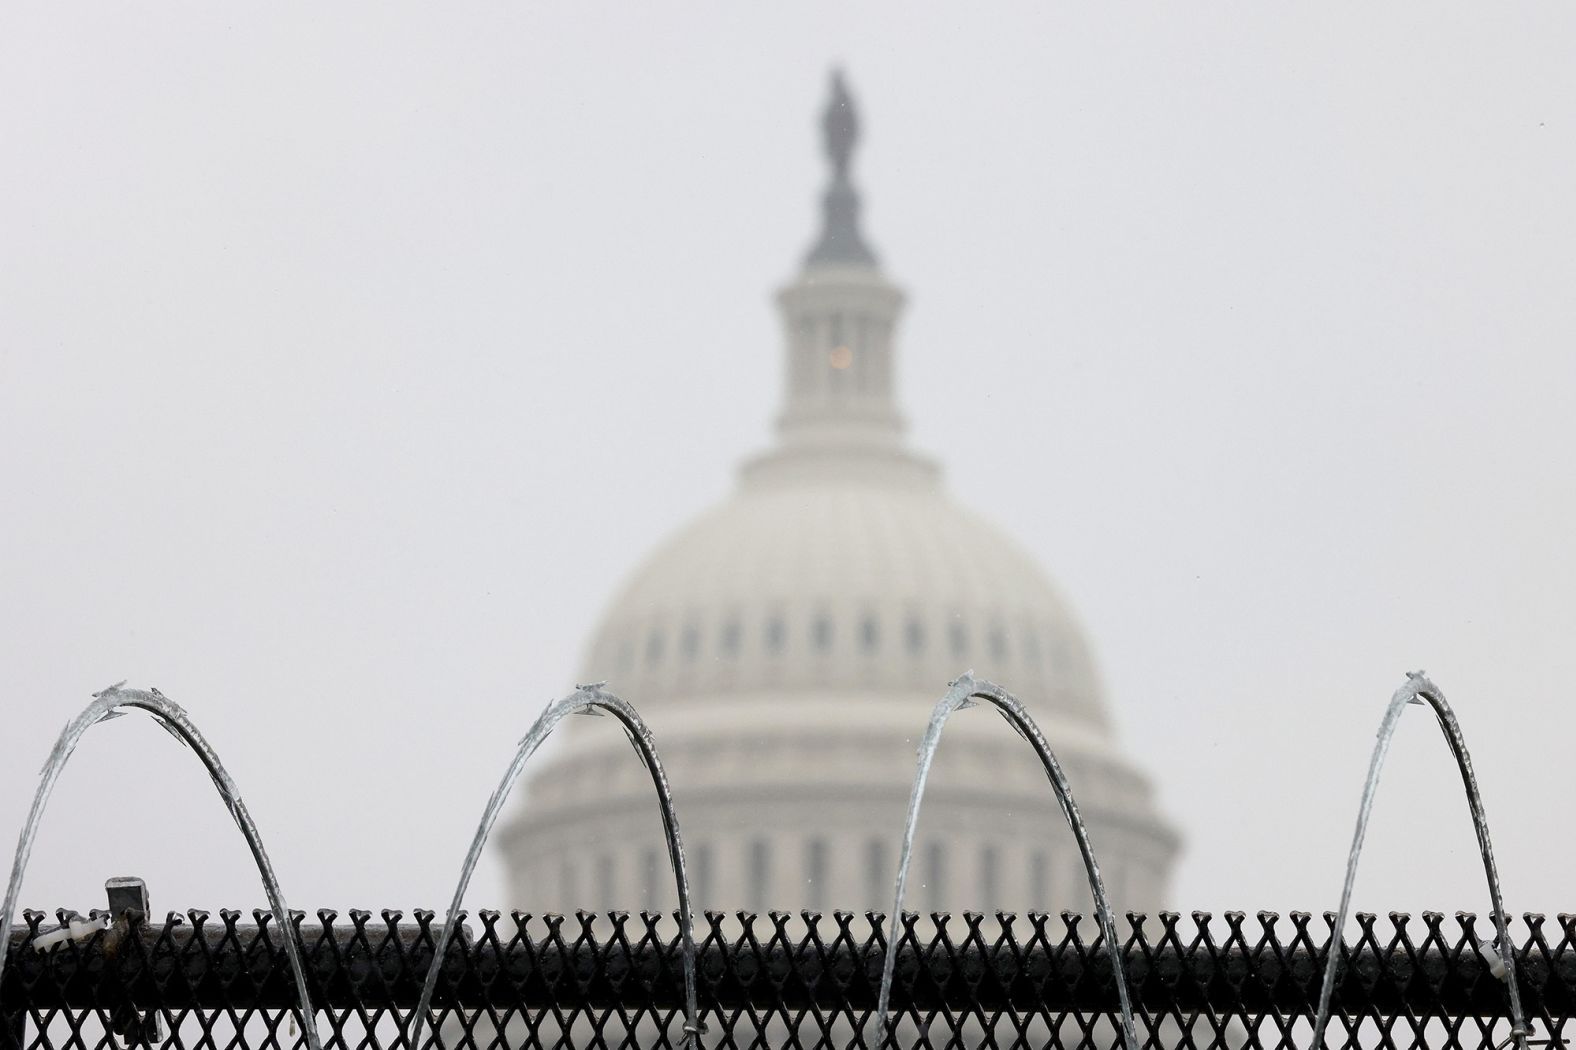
<point x="128" y="894"/>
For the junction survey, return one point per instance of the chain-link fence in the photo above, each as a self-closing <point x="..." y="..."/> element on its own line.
<point x="223" y="982"/>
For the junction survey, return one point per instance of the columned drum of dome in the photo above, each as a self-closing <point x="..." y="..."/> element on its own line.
<point x="787" y="646"/>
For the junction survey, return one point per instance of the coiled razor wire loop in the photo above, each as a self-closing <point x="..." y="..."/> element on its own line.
<point x="587" y="699"/>
<point x="963" y="693"/>
<point x="112" y="703"/>
<point x="1419" y="690"/>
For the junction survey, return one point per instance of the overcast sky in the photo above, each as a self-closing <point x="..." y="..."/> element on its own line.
<point x="351" y="354"/>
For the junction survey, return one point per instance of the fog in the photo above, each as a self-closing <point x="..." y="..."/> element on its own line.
<point x="350" y="356"/>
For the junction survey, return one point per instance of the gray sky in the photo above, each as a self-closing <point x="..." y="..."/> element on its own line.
<point x="350" y="355"/>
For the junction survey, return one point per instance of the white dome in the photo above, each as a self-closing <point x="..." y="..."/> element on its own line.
<point x="889" y="587"/>
<point x="786" y="650"/>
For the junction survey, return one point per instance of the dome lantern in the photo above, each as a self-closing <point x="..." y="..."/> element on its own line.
<point x="840" y="416"/>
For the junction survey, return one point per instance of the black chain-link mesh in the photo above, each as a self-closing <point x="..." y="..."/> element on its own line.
<point x="199" y="982"/>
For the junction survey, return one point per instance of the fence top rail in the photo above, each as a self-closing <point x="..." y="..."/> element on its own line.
<point x="1429" y="965"/>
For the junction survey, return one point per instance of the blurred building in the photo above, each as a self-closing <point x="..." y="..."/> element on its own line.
<point x="787" y="647"/>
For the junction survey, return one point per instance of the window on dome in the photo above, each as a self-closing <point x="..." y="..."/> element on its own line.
<point x="1039" y="881"/>
<point x="626" y="656"/>
<point x="936" y="876"/>
<point x="915" y="635"/>
<point x="760" y="874"/>
<point x="959" y="637"/>
<point x="689" y="643"/>
<point x="877" y="888"/>
<point x="823" y="634"/>
<point x="606" y="872"/>
<point x="700" y="864"/>
<point x="861" y="355"/>
<point x="870" y="634"/>
<point x="650" y="875"/>
<point x="776" y="634"/>
<point x="802" y="362"/>
<point x="569" y="897"/>
<point x="815" y="872"/>
<point x="730" y="638"/>
<point x="1030" y="646"/>
<point x="998" y="644"/>
<point x="654" y="649"/>
<point x="990" y="878"/>
<point x="839" y="356"/>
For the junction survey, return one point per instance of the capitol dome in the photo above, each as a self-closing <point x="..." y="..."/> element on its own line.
<point x="787" y="646"/>
<point x="805" y="584"/>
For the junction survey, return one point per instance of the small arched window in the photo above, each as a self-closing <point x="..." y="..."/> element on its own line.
<point x="958" y="637"/>
<point x="936" y="876"/>
<point x="606" y="874"/>
<point x="689" y="643"/>
<point x="1039" y="881"/>
<point x="651" y="877"/>
<point x="776" y="634"/>
<point x="878" y="887"/>
<point x="730" y="638"/>
<point x="990" y="879"/>
<point x="654" y="649"/>
<point x="870" y="634"/>
<point x="998" y="644"/>
<point x="700" y="864"/>
<point x="1030" y="646"/>
<point x="914" y="635"/>
<point x="822" y="632"/>
<point x="816" y="872"/>
<point x="760" y="874"/>
<point x="568" y="878"/>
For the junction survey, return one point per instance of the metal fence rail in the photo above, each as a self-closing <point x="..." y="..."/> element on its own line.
<point x="204" y="982"/>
